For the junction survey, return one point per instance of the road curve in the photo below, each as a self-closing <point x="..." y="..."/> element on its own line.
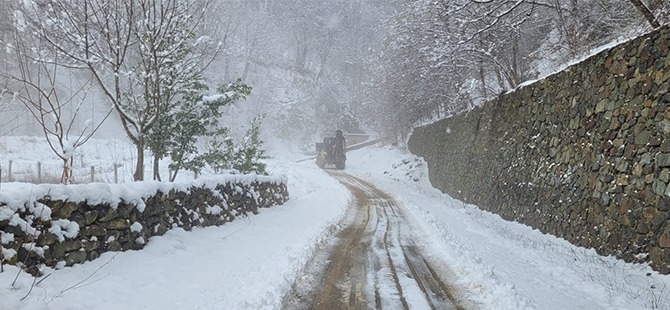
<point x="372" y="264"/>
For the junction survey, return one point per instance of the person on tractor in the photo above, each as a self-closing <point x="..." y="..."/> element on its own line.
<point x="340" y="149"/>
<point x="340" y="143"/>
<point x="332" y="151"/>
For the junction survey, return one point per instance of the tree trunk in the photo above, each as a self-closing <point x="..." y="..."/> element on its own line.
<point x="300" y="58"/>
<point x="320" y="72"/>
<point x="499" y="78"/>
<point x="157" y="173"/>
<point x="515" y="72"/>
<point x="176" y="169"/>
<point x="65" y="177"/>
<point x="157" y="152"/>
<point x="482" y="78"/>
<point x="139" y="168"/>
<point x="227" y="70"/>
<point x="646" y="13"/>
<point x="247" y="66"/>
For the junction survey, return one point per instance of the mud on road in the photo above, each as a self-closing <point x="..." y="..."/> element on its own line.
<point x="372" y="263"/>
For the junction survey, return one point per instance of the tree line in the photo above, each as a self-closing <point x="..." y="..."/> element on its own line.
<point x="310" y="62"/>
<point x="446" y="56"/>
<point x="169" y="69"/>
<point x="148" y="59"/>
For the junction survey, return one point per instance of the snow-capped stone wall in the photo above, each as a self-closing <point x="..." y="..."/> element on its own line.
<point x="68" y="224"/>
<point x="583" y="154"/>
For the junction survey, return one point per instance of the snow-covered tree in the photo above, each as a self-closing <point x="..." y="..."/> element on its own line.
<point x="307" y="60"/>
<point x="249" y="152"/>
<point x="9" y="114"/>
<point x="36" y="86"/>
<point x="139" y="53"/>
<point x="646" y="12"/>
<point x="168" y="72"/>
<point x="195" y="119"/>
<point x="441" y="57"/>
<point x="245" y="156"/>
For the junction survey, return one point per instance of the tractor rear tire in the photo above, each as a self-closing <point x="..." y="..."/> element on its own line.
<point x="321" y="161"/>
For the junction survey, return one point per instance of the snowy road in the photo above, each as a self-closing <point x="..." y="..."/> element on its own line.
<point x="275" y="259"/>
<point x="374" y="264"/>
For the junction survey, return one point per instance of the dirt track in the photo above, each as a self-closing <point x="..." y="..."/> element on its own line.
<point x="373" y="264"/>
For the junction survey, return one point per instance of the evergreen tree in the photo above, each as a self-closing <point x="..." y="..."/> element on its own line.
<point x="245" y="157"/>
<point x="249" y="153"/>
<point x="196" y="118"/>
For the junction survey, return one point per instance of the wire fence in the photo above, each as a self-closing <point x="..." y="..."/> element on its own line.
<point x="51" y="172"/>
<point x="29" y="159"/>
<point x="40" y="173"/>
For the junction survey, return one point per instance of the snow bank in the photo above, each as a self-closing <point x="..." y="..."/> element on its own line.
<point x="249" y="263"/>
<point x="14" y="196"/>
<point x="68" y="221"/>
<point x="502" y="264"/>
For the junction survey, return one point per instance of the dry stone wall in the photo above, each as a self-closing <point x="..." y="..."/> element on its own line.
<point x="60" y="226"/>
<point x="583" y="154"/>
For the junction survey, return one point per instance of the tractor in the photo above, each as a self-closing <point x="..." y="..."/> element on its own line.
<point x="331" y="151"/>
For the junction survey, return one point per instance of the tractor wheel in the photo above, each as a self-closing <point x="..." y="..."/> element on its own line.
<point x="320" y="161"/>
<point x="339" y="165"/>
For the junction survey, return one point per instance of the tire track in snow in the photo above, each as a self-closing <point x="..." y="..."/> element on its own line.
<point x="373" y="263"/>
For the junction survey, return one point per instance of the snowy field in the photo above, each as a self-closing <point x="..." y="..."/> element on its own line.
<point x="252" y="262"/>
<point x="26" y="152"/>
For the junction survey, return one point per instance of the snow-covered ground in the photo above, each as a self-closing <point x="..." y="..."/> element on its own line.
<point x="25" y="152"/>
<point x="247" y="264"/>
<point x="505" y="264"/>
<point x="251" y="262"/>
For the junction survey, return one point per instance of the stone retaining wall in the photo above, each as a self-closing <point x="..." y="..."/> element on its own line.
<point x="48" y="230"/>
<point x="583" y="154"/>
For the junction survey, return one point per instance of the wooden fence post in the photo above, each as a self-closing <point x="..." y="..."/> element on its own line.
<point x="39" y="172"/>
<point x="92" y="174"/>
<point x="116" y="173"/>
<point x="9" y="172"/>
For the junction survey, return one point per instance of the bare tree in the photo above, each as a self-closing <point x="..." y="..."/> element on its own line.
<point x="646" y="12"/>
<point x="36" y="87"/>
<point x="298" y="17"/>
<point x="445" y="56"/>
<point x="94" y="36"/>
<point x="10" y="111"/>
<point x="126" y="46"/>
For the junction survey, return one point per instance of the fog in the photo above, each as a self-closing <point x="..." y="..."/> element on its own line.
<point x="307" y="62"/>
<point x="362" y="66"/>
